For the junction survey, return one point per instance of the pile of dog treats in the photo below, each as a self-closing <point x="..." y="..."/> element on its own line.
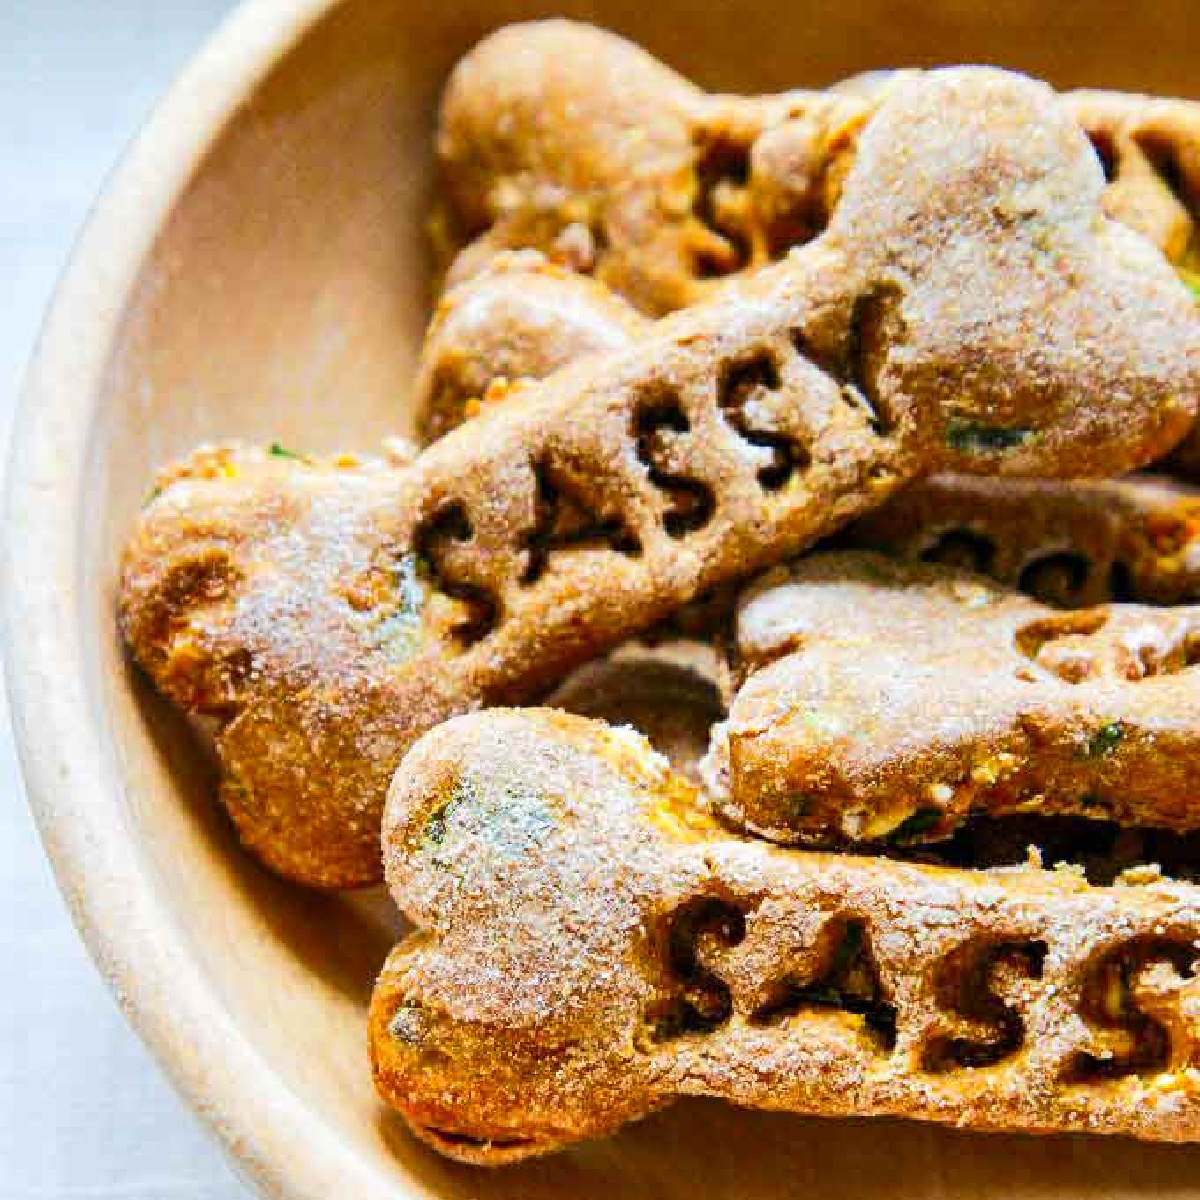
<point x="780" y="450"/>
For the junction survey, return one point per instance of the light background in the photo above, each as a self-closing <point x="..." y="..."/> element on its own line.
<point x="84" y="1111"/>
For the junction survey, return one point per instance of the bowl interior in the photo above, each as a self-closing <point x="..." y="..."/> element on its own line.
<point x="284" y="300"/>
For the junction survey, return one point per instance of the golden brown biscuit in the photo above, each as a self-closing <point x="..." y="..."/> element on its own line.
<point x="520" y="318"/>
<point x="965" y="309"/>
<point x="1070" y="544"/>
<point x="885" y="700"/>
<point x="590" y="945"/>
<point x="570" y="140"/>
<point x="1150" y="147"/>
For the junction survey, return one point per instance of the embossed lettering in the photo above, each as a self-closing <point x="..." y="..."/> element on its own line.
<point x="438" y="541"/>
<point x="1133" y="1041"/>
<point x="847" y="980"/>
<point x="695" y="1000"/>
<point x="965" y="985"/>
<point x="659" y="422"/>
<point x="962" y="548"/>
<point x="741" y="389"/>
<point x="566" y="519"/>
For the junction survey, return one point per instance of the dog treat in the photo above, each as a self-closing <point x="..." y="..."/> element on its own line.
<point x="968" y="308"/>
<point x="573" y="141"/>
<point x="1070" y="544"/>
<point x="1150" y="147"/>
<point x="1102" y="850"/>
<point x="890" y="701"/>
<point x="570" y="140"/>
<point x="590" y="945"/>
<point x="520" y="318"/>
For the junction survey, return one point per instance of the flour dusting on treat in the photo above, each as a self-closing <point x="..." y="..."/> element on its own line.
<point x="520" y="318"/>
<point x="885" y="701"/>
<point x="1070" y="543"/>
<point x="671" y="191"/>
<point x="591" y="945"/>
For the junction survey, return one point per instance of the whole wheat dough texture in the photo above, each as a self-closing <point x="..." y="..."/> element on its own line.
<point x="567" y="139"/>
<point x="888" y="701"/>
<point x="1070" y="543"/>
<point x="590" y="945"/>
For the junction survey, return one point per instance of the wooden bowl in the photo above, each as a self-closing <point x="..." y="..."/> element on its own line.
<point x="257" y="269"/>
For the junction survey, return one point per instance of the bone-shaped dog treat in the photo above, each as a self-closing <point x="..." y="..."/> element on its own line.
<point x="890" y="700"/>
<point x="570" y="140"/>
<point x="968" y="307"/>
<point x="567" y="139"/>
<point x="520" y="318"/>
<point x="1150" y="147"/>
<point x="1070" y="544"/>
<point x="590" y="945"/>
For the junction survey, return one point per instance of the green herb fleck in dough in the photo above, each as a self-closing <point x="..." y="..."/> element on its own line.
<point x="511" y="821"/>
<point x="278" y="451"/>
<point x="984" y="439"/>
<point x="400" y="629"/>
<point x="916" y="823"/>
<point x="1105" y="740"/>
<point x="1191" y="281"/>
<point x="435" y="823"/>
<point x="798" y="805"/>
<point x="408" y="1024"/>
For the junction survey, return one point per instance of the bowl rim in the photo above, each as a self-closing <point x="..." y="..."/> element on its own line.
<point x="278" y="1144"/>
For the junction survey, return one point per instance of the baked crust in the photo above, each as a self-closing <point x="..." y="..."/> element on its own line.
<point x="567" y="139"/>
<point x="1069" y="543"/>
<point x="666" y="692"/>
<point x="590" y="945"/>
<point x="520" y="318"/>
<point x="888" y="701"/>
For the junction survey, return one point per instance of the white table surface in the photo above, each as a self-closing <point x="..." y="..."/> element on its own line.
<point x="84" y="1111"/>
